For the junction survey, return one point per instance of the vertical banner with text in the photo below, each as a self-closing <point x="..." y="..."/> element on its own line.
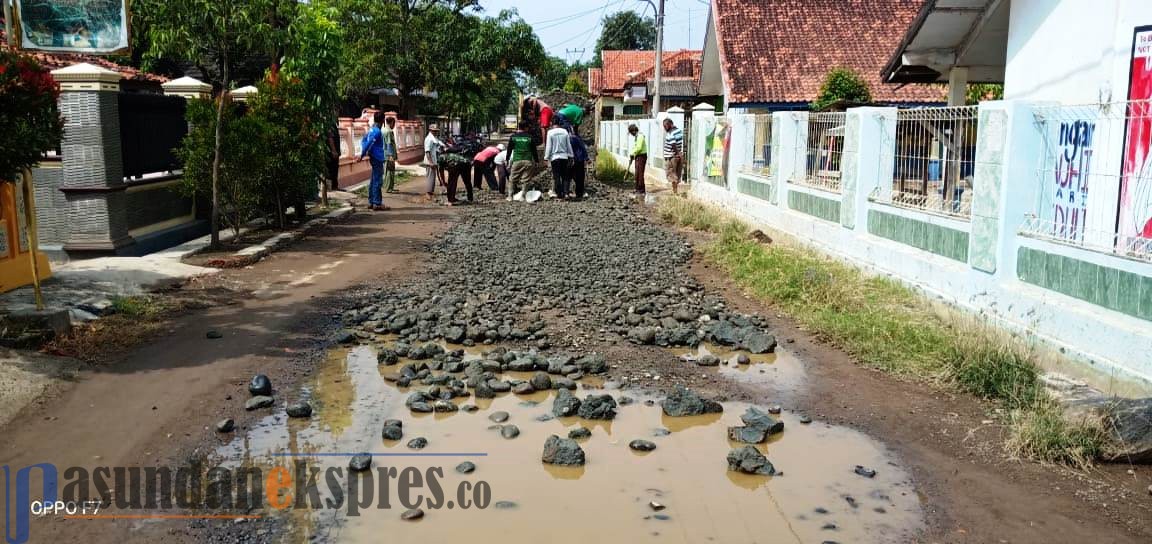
<point x="1135" y="219"/>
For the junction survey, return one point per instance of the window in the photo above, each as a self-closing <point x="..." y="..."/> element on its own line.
<point x="607" y="113"/>
<point x="633" y="110"/>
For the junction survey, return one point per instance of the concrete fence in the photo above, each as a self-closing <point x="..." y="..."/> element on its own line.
<point x="987" y="208"/>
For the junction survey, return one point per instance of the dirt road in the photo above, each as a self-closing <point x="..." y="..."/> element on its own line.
<point x="158" y="404"/>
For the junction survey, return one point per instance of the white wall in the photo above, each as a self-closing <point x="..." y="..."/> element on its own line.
<point x="1072" y="51"/>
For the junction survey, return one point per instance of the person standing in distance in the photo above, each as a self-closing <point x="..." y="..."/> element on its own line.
<point x="673" y="153"/>
<point x="432" y="147"/>
<point x="558" y="153"/>
<point x="390" y="153"/>
<point x="373" y="147"/>
<point x="639" y="155"/>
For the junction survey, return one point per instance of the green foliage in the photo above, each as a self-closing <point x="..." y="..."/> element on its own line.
<point x="842" y="85"/>
<point x="243" y="159"/>
<point x="29" y="116"/>
<point x="576" y="84"/>
<point x="551" y="75"/>
<point x="625" y="31"/>
<point x="979" y="92"/>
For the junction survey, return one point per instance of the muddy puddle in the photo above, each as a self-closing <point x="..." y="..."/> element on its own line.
<point x="817" y="498"/>
<point x="782" y="371"/>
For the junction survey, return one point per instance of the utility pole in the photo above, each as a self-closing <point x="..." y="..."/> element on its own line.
<point x="659" y="58"/>
<point x="579" y="52"/>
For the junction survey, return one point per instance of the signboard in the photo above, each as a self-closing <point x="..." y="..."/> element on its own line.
<point x="1135" y="222"/>
<point x="73" y="26"/>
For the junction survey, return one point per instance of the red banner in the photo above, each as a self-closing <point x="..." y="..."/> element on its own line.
<point x="1135" y="220"/>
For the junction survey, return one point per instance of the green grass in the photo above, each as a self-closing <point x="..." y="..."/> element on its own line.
<point x="136" y="306"/>
<point x="401" y="177"/>
<point x="608" y="170"/>
<point x="886" y="325"/>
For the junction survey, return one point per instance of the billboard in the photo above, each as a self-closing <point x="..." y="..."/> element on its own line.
<point x="1135" y="221"/>
<point x="73" y="26"/>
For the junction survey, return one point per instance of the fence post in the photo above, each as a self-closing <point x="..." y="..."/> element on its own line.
<point x="1004" y="186"/>
<point x="740" y="145"/>
<point x="244" y="93"/>
<point x="867" y="160"/>
<point x="702" y="116"/>
<point x="799" y="152"/>
<point x="188" y="88"/>
<point x="784" y="154"/>
<point x="92" y="162"/>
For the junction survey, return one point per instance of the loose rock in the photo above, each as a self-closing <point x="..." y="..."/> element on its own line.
<point x="225" y="425"/>
<point x="418" y="443"/>
<point x="258" y="402"/>
<point x="412" y="515"/>
<point x="566" y="404"/>
<point x="685" y="402"/>
<point x="467" y="467"/>
<point x="299" y="409"/>
<point x="602" y="407"/>
<point x="641" y="445"/>
<point x="260" y="385"/>
<point x="562" y="451"/>
<point x="360" y="463"/>
<point x="510" y="431"/>
<point x="749" y="460"/>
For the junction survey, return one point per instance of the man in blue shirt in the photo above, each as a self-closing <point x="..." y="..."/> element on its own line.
<point x="580" y="158"/>
<point x="372" y="146"/>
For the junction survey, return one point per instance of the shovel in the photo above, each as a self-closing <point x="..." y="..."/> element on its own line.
<point x="628" y="169"/>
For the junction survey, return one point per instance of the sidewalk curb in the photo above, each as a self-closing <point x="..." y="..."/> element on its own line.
<point x="254" y="253"/>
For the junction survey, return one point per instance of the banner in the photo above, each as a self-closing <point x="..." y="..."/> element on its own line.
<point x="716" y="152"/>
<point x="73" y="26"/>
<point x="1136" y="182"/>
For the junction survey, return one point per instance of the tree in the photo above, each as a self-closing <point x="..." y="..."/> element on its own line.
<point x="979" y="92"/>
<point x="625" y="31"/>
<point x="576" y="84"/>
<point x="212" y="32"/>
<point x="551" y="74"/>
<point x="842" y="85"/>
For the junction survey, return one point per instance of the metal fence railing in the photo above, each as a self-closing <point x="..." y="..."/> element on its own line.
<point x="824" y="148"/>
<point x="1094" y="178"/>
<point x="761" y="146"/>
<point x="935" y="159"/>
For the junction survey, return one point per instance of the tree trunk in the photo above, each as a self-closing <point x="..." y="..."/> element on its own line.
<point x="217" y="155"/>
<point x="33" y="235"/>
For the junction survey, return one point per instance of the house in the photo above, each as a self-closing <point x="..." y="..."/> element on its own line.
<point x="134" y="80"/>
<point x="770" y="56"/>
<point x="623" y="84"/>
<point x="1068" y="52"/>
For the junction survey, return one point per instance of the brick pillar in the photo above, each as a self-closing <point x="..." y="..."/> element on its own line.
<point x="93" y="169"/>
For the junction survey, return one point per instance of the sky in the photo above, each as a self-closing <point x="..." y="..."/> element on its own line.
<point x="567" y="26"/>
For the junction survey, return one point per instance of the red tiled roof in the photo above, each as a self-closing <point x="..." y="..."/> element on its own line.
<point x="53" y="61"/>
<point x="621" y="67"/>
<point x="780" y="50"/>
<point x="595" y="79"/>
<point x="682" y="63"/>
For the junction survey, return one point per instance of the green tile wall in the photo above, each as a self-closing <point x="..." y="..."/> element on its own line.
<point x="923" y="235"/>
<point x="756" y="188"/>
<point x="1125" y="292"/>
<point x="824" y="208"/>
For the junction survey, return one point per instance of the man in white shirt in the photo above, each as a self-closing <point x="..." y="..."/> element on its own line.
<point x="558" y="153"/>
<point x="501" y="164"/>
<point x="432" y="146"/>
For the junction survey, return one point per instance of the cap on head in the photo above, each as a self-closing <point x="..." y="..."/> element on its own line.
<point x="501" y="147"/>
<point x="433" y="128"/>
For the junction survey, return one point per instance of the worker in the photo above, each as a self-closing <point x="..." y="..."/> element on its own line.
<point x="639" y="155"/>
<point x="483" y="167"/>
<point x="558" y="153"/>
<point x="522" y="158"/>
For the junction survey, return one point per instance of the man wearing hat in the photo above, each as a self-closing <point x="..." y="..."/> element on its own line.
<point x="501" y="164"/>
<point x="432" y="147"/>
<point x="483" y="166"/>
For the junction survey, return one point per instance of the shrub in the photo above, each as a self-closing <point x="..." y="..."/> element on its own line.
<point x="842" y="85"/>
<point x="608" y="170"/>
<point x="29" y="117"/>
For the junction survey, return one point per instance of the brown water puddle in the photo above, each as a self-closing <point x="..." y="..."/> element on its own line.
<point x="782" y="371"/>
<point x="818" y="498"/>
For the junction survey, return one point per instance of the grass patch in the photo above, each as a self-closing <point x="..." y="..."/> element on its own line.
<point x="1042" y="433"/>
<point x="608" y="170"/>
<point x="136" y="306"/>
<point x="886" y="325"/>
<point x="401" y="177"/>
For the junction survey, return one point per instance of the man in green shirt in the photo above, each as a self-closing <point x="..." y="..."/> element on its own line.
<point x="639" y="155"/>
<point x="390" y="153"/>
<point x="521" y="158"/>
